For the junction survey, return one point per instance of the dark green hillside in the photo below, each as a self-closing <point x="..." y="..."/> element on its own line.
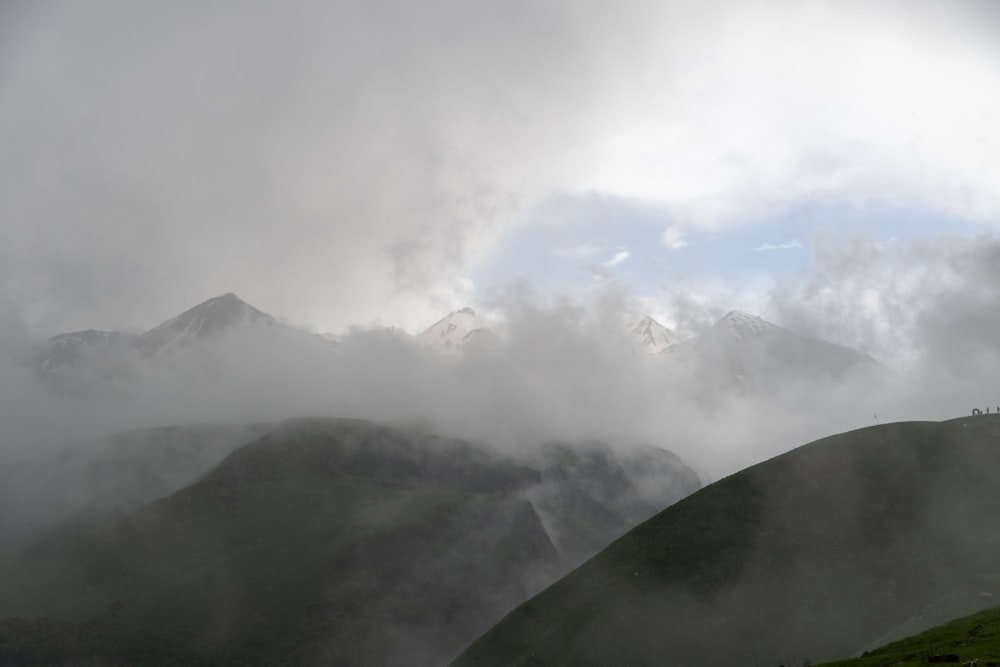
<point x="118" y="475"/>
<point x="818" y="554"/>
<point x="973" y="640"/>
<point x="322" y="542"/>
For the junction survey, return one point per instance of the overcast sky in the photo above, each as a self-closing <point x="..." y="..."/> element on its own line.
<point x="825" y="164"/>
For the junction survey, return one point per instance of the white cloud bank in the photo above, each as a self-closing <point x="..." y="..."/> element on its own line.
<point x="340" y="162"/>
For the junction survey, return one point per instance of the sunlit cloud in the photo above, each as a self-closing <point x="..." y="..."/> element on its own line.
<point x="618" y="258"/>
<point x="787" y="245"/>
<point x="673" y="238"/>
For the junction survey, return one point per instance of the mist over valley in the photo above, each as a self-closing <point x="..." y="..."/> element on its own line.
<point x="499" y="333"/>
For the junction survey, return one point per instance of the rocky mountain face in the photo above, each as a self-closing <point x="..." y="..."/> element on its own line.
<point x="740" y="351"/>
<point x="91" y="354"/>
<point x="210" y="318"/>
<point x="457" y="332"/>
<point x="91" y="362"/>
<point x="592" y="493"/>
<point x="78" y="348"/>
<point x="744" y="352"/>
<point x="78" y="362"/>
<point x="651" y="336"/>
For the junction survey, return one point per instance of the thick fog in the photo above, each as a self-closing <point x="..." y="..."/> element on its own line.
<point x="346" y="162"/>
<point x="341" y="164"/>
<point x="565" y="368"/>
<point x="358" y="167"/>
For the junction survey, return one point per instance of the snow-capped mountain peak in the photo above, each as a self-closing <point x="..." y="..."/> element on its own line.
<point x="650" y="335"/>
<point x="454" y="331"/>
<point x="206" y="319"/>
<point x="744" y="325"/>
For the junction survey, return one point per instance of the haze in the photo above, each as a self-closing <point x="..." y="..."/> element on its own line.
<point x="832" y="166"/>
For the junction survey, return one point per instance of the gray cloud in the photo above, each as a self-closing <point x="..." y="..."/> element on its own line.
<point x="345" y="162"/>
<point x="335" y="162"/>
<point x="567" y="371"/>
<point x="325" y="157"/>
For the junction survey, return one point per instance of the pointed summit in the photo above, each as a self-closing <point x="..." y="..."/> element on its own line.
<point x="208" y="318"/>
<point x="742" y="325"/>
<point x="746" y="351"/>
<point x="453" y="332"/>
<point x="650" y="335"/>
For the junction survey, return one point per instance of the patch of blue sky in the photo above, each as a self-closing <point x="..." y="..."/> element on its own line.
<point x="572" y="243"/>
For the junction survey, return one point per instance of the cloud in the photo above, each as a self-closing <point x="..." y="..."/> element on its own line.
<point x="618" y="258"/>
<point x="673" y="238"/>
<point x="927" y="309"/>
<point x="336" y="161"/>
<point x="819" y="115"/>
<point x="339" y="163"/>
<point x="155" y="158"/>
<point x="877" y="295"/>
<point x="787" y="245"/>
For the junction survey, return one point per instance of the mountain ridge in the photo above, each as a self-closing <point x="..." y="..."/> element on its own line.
<point x="343" y="541"/>
<point x="206" y="319"/>
<point x="815" y="553"/>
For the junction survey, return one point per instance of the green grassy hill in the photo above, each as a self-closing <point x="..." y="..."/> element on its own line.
<point x="323" y="542"/>
<point x="119" y="474"/>
<point x="971" y="640"/>
<point x="819" y="554"/>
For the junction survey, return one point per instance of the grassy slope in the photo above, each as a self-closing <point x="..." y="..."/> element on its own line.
<point x="814" y="555"/>
<point x="122" y="474"/>
<point x="975" y="638"/>
<point x="304" y="546"/>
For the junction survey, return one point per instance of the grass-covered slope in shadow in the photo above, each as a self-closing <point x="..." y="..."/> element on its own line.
<point x="818" y="554"/>
<point x="972" y="640"/>
<point x="120" y="474"/>
<point x="322" y="542"/>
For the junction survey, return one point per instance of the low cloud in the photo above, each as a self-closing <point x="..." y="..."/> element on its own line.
<point x="673" y="238"/>
<point x="618" y="258"/>
<point x="787" y="245"/>
<point x="341" y="161"/>
<point x="567" y="369"/>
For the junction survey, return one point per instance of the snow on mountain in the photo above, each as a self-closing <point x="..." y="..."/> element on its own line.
<point x="89" y="362"/>
<point x="464" y="329"/>
<point x="743" y="351"/>
<point x="455" y="332"/>
<point x="207" y="319"/>
<point x="81" y="347"/>
<point x="744" y="326"/>
<point x="649" y="335"/>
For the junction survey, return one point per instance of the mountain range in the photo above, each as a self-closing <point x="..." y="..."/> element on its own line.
<point x="344" y="541"/>
<point x="746" y="354"/>
<point x="739" y="351"/>
<point x="340" y="541"/>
